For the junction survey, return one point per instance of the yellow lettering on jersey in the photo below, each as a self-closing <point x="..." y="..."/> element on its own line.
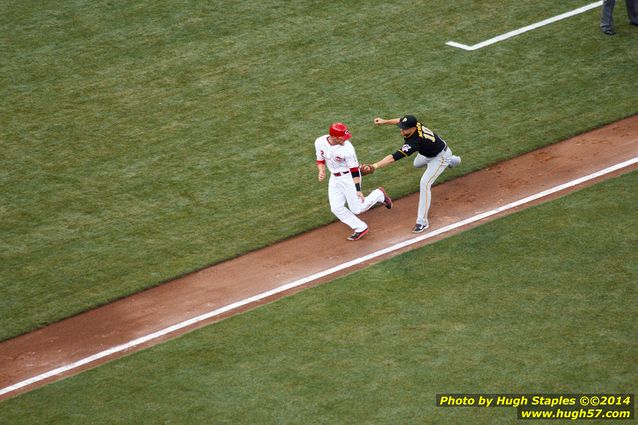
<point x="425" y="133"/>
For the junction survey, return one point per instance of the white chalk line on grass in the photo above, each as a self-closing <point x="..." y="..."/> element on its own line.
<point x="303" y="281"/>
<point x="525" y="29"/>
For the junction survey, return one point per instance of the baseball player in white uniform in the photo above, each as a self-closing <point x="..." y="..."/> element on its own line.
<point x="336" y="153"/>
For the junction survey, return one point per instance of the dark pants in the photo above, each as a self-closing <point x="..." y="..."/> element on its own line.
<point x="607" y="18"/>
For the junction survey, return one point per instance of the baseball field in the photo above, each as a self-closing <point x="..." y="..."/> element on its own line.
<point x="144" y="141"/>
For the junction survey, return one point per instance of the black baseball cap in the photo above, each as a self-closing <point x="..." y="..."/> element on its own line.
<point x="407" y="121"/>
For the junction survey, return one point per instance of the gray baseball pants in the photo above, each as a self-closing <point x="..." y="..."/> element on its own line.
<point x="434" y="167"/>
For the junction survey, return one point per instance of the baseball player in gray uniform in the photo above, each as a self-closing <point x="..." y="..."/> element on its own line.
<point x="432" y="153"/>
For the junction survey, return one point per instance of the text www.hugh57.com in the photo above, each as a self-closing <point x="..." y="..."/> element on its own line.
<point x="548" y="406"/>
<point x="573" y="414"/>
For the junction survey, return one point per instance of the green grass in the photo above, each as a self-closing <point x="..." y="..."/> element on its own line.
<point x="541" y="301"/>
<point x="144" y="141"/>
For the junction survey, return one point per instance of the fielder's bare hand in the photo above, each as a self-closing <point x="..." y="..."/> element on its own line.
<point x="381" y="121"/>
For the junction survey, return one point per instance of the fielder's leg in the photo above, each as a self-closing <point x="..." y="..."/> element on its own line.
<point x="455" y="161"/>
<point x="421" y="161"/>
<point x="435" y="167"/>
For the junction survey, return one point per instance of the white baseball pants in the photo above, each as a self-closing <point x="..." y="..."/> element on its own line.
<point x="341" y="191"/>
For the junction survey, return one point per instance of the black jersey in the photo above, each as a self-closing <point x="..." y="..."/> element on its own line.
<point x="423" y="141"/>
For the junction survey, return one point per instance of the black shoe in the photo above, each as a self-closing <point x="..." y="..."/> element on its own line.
<point x="418" y="228"/>
<point x="357" y="235"/>
<point x="634" y="24"/>
<point x="609" y="31"/>
<point x="387" y="201"/>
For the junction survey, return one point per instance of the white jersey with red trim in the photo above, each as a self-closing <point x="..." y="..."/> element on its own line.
<point x="338" y="158"/>
<point x="341" y="161"/>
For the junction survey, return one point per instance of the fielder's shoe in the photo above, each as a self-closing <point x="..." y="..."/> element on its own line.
<point x="357" y="235"/>
<point x="609" y="31"/>
<point x="456" y="161"/>
<point x="419" y="228"/>
<point x="387" y="201"/>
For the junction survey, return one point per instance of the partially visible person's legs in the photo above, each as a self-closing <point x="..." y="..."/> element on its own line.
<point x="607" y="18"/>
<point x="632" y="11"/>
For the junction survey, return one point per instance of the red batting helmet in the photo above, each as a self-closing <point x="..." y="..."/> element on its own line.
<point x="340" y="130"/>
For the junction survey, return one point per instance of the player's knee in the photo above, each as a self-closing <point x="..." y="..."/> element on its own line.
<point x="356" y="210"/>
<point x="419" y="161"/>
<point x="426" y="186"/>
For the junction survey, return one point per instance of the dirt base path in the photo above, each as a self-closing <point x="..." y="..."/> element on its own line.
<point x="97" y="336"/>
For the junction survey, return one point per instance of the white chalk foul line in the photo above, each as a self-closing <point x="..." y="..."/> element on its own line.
<point x="303" y="281"/>
<point x="525" y="29"/>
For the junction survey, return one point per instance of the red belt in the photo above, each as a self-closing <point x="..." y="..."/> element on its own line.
<point x="338" y="174"/>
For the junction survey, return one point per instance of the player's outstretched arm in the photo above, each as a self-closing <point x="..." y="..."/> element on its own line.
<point x="381" y="121"/>
<point x="385" y="161"/>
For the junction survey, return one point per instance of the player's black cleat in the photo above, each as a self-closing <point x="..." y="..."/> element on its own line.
<point x="357" y="235"/>
<point x="419" y="228"/>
